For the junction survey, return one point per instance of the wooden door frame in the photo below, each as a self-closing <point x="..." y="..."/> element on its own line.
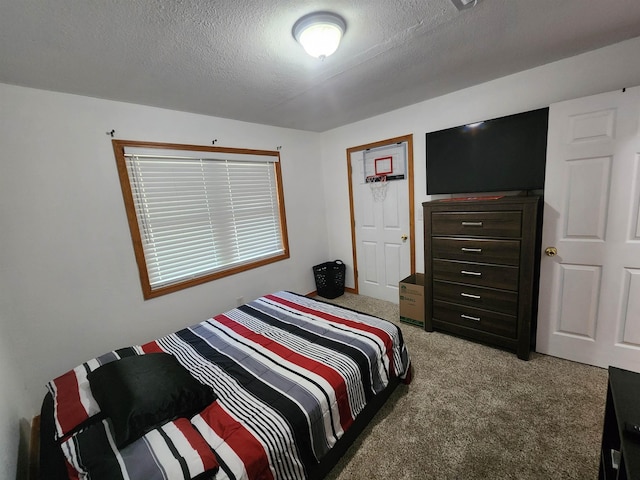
<point x="412" y="243"/>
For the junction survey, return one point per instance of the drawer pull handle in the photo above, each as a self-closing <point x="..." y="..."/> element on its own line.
<point x="469" y="295"/>
<point x="471" y="224"/>
<point x="473" y="274"/>
<point x="471" y="250"/>
<point x="469" y="317"/>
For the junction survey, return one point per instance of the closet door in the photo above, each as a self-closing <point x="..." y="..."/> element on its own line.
<point x="382" y="225"/>
<point x="589" y="307"/>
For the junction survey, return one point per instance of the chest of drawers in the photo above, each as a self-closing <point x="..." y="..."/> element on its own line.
<point x="482" y="269"/>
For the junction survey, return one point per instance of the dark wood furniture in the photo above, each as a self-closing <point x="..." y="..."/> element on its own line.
<point x="620" y="453"/>
<point x="482" y="269"/>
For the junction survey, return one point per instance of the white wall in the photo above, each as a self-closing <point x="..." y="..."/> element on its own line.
<point x="69" y="281"/>
<point x="598" y="71"/>
<point x="11" y="397"/>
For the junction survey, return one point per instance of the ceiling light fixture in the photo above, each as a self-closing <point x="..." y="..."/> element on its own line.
<point x="320" y="33"/>
<point x="464" y="4"/>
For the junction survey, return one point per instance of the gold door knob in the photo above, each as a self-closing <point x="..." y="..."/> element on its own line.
<point x="404" y="237"/>
<point x="551" y="251"/>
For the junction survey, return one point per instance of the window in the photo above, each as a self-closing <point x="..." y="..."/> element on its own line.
<point x="200" y="213"/>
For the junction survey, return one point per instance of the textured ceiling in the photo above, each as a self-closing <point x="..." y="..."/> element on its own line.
<point x="238" y="59"/>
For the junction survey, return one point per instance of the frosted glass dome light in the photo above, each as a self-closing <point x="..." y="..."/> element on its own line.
<point x="319" y="33"/>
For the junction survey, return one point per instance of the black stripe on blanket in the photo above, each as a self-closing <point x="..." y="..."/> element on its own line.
<point x="174" y="451"/>
<point x="95" y="449"/>
<point x="288" y="410"/>
<point x="356" y="355"/>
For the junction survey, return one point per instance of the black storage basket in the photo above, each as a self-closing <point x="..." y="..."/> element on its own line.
<point x="329" y="279"/>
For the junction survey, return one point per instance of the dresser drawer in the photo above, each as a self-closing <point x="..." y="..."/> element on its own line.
<point x="477" y="224"/>
<point x="478" y="297"/>
<point x="494" y="276"/>
<point x="492" y="322"/>
<point x="505" y="252"/>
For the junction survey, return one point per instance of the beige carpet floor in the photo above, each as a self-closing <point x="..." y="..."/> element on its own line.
<point x="476" y="412"/>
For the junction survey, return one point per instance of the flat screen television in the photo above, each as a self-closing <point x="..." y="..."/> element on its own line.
<point x="501" y="154"/>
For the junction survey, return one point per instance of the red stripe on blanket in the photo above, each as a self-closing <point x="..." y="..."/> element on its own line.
<point x="336" y="380"/>
<point x="197" y="443"/>
<point x="152" y="347"/>
<point x="69" y="409"/>
<point x="381" y="334"/>
<point x="240" y="440"/>
<point x="72" y="472"/>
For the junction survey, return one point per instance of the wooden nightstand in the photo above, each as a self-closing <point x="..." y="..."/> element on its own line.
<point x="620" y="453"/>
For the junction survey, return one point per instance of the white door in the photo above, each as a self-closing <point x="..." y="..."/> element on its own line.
<point x="382" y="227"/>
<point x="589" y="308"/>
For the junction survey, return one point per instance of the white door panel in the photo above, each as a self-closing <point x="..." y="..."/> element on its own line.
<point x="577" y="314"/>
<point x="589" y="309"/>
<point x="382" y="230"/>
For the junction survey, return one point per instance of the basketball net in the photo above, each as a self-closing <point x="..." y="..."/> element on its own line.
<point x="378" y="185"/>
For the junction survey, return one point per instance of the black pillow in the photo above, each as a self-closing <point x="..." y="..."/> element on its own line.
<point x="142" y="392"/>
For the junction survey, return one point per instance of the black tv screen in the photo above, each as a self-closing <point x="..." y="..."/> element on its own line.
<point x="502" y="154"/>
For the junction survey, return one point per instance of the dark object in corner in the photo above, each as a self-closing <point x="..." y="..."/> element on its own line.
<point x="620" y="451"/>
<point x="329" y="278"/>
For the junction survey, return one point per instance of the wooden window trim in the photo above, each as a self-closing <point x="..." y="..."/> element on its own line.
<point x="149" y="292"/>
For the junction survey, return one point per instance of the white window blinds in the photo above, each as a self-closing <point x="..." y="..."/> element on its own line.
<point x="200" y="214"/>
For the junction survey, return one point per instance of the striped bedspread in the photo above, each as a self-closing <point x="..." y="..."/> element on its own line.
<point x="291" y="375"/>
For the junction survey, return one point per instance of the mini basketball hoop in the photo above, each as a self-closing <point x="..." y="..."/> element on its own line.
<point x="378" y="185"/>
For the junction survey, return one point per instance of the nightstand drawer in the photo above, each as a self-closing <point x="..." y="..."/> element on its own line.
<point x="477" y="224"/>
<point x="492" y="322"/>
<point x="494" y="276"/>
<point x="504" y="252"/>
<point x="477" y="297"/>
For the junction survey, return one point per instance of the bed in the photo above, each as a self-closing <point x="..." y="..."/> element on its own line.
<point x="277" y="388"/>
